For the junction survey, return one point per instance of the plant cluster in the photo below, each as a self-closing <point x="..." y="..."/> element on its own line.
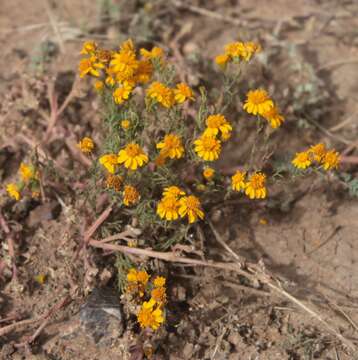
<point x="27" y="184"/>
<point x="149" y="298"/>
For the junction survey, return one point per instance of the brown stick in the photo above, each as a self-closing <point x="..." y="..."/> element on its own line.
<point x="92" y="229"/>
<point x="349" y="159"/>
<point x="170" y="256"/>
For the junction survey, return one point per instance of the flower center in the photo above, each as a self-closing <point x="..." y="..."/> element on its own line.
<point x="132" y="150"/>
<point x="209" y="143"/>
<point x="192" y="203"/>
<point x="215" y="121"/>
<point x="257" y="181"/>
<point x="172" y="141"/>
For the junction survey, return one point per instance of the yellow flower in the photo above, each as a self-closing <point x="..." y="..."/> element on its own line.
<point x="302" y="160"/>
<point x="125" y="124"/>
<point x="158" y="294"/>
<point x="132" y="156"/>
<point x="331" y="160"/>
<point x="318" y="152"/>
<point x="258" y="102"/>
<point x="26" y="172"/>
<point x="130" y="195"/>
<point x="114" y="182"/>
<point x="159" y="281"/>
<point x="222" y="60"/>
<point x="242" y="50"/>
<point x="98" y="85"/>
<point x="137" y="281"/>
<point x="173" y="191"/>
<point x="124" y="62"/>
<point x="226" y="136"/>
<point x="144" y="72"/>
<point x="13" y="191"/>
<point x="208" y="173"/>
<point x="132" y="275"/>
<point x="250" y="48"/>
<point x="89" y="48"/>
<point x="208" y="147"/>
<point x="110" y="78"/>
<point x="168" y="208"/>
<point x="190" y="206"/>
<point x="86" y="145"/>
<point x="162" y="94"/>
<point x="35" y="194"/>
<point x="182" y="93"/>
<point x="215" y="123"/>
<point x="238" y="180"/>
<point x="255" y="187"/>
<point x="90" y="66"/>
<point x="171" y="146"/>
<point x="109" y="161"/>
<point x="234" y="49"/>
<point x="149" y="316"/>
<point x="273" y="116"/>
<point x="142" y="277"/>
<point x="155" y="53"/>
<point x="122" y="93"/>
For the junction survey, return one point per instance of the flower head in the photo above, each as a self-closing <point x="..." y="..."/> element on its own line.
<point x="255" y="187"/>
<point x="90" y="66"/>
<point x="26" y="172"/>
<point x="140" y="276"/>
<point x="208" y="147"/>
<point x="109" y="161"/>
<point x="215" y="123"/>
<point x="162" y="94"/>
<point x="98" y="85"/>
<point x="124" y="63"/>
<point x="122" y="93"/>
<point x="258" y="102"/>
<point x="331" y="160"/>
<point x="13" y="191"/>
<point x="173" y="191"/>
<point x="144" y="72"/>
<point x="150" y="316"/>
<point x="242" y="50"/>
<point x="114" y="182"/>
<point x="302" y="160"/>
<point x="137" y="281"/>
<point x="86" y="145"/>
<point x="125" y="124"/>
<point x="155" y="53"/>
<point x="158" y="294"/>
<point x="168" y="208"/>
<point x="159" y="281"/>
<point x="318" y="152"/>
<point x="89" y="48"/>
<point x="130" y="195"/>
<point x="182" y="93"/>
<point x="273" y="116"/>
<point x="190" y="206"/>
<point x="238" y="180"/>
<point x="208" y="173"/>
<point x="222" y="60"/>
<point x="171" y="146"/>
<point x="132" y="156"/>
